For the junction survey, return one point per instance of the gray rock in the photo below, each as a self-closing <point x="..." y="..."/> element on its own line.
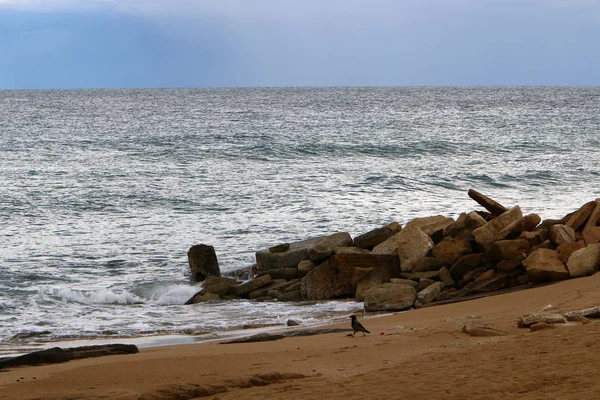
<point x="305" y="266"/>
<point x="390" y="297"/>
<point x="296" y="252"/>
<point x="324" y="247"/>
<point x="280" y="273"/>
<point x="295" y="295"/>
<point x="203" y="262"/>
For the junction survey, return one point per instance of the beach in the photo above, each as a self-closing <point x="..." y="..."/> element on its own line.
<point x="419" y="354"/>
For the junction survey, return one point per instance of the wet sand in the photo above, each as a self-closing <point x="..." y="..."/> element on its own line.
<point x="420" y="354"/>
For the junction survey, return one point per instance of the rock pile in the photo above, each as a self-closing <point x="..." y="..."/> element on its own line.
<point x="428" y="260"/>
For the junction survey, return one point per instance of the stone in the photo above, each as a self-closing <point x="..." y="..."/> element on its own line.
<point x="275" y="284"/>
<point x="247" y="287"/>
<point x="566" y="249"/>
<point x="547" y="244"/>
<point x="376" y="277"/>
<point x="593" y="312"/>
<point x="203" y="262"/>
<point x="429" y="294"/>
<point x="372" y="238"/>
<point x="218" y="285"/>
<point x="424" y="283"/>
<point x="296" y="252"/>
<point x="584" y="262"/>
<point x="408" y="282"/>
<point x="417" y="276"/>
<point x="580" y="216"/>
<point x="486" y="235"/>
<point x="280" y="273"/>
<point x="305" y="266"/>
<point x="280" y="248"/>
<point x="529" y="319"/>
<point x="410" y="244"/>
<point x="534" y="237"/>
<point x="541" y="326"/>
<point x="292" y="322"/>
<point x="290" y="296"/>
<point x="333" y="278"/>
<point x="560" y="234"/>
<point x="293" y="287"/>
<point x="427" y="263"/>
<point x="324" y="247"/>
<point x="490" y="273"/>
<point x="544" y="265"/>
<point x="515" y="249"/>
<point x="591" y="231"/>
<point x="473" y="220"/>
<point x="481" y="329"/>
<point x="518" y="280"/>
<point x="449" y="250"/>
<point x="496" y="282"/>
<point x="446" y="276"/>
<point x="457" y="226"/>
<point x="360" y="274"/>
<point x="202" y="298"/>
<point x="465" y="264"/>
<point x="390" y="297"/>
<point x="513" y="230"/>
<point x="430" y="225"/>
<point x="351" y="250"/>
<point x="508" y="265"/>
<point x="444" y="295"/>
<point x="492" y="206"/>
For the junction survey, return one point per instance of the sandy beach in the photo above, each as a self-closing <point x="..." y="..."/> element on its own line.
<point x="420" y="354"/>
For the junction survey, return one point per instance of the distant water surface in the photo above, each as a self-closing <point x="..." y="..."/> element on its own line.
<point x="102" y="192"/>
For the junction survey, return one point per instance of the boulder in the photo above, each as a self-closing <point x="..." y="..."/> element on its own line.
<point x="360" y="274"/>
<point x="508" y="265"/>
<point x="333" y="278"/>
<point x="376" y="277"/>
<point x="377" y="236"/>
<point x="513" y="230"/>
<point x="591" y="231"/>
<point x="481" y="329"/>
<point x="449" y="250"/>
<point x="218" y="285"/>
<point x="534" y="237"/>
<point x="324" y="247"/>
<point x="429" y="294"/>
<point x="290" y="258"/>
<point x="203" y="262"/>
<point x="409" y="282"/>
<point x="486" y="235"/>
<point x="304" y="267"/>
<point x="592" y="312"/>
<point x="202" y="298"/>
<point x="430" y="225"/>
<point x="492" y="206"/>
<point x="410" y="244"/>
<point x="560" y="234"/>
<point x="446" y="276"/>
<point x="544" y="265"/>
<point x="424" y="283"/>
<point x="276" y="284"/>
<point x="566" y="249"/>
<point x="466" y="264"/>
<point x="584" y="262"/>
<point x="427" y="263"/>
<point x="280" y="273"/>
<point x="473" y="220"/>
<point x="491" y="284"/>
<point x="295" y="295"/>
<point x="529" y="319"/>
<point x="580" y="216"/>
<point x="390" y="297"/>
<point x="250" y="286"/>
<point x="515" y="249"/>
<point x="417" y="276"/>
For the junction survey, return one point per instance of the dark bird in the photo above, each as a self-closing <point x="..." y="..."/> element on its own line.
<point x="357" y="326"/>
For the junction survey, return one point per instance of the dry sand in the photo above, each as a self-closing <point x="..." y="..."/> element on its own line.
<point x="421" y="355"/>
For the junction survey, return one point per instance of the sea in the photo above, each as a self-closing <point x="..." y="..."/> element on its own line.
<point x="102" y="192"/>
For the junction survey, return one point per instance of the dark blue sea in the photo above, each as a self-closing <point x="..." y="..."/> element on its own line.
<point x="102" y="192"/>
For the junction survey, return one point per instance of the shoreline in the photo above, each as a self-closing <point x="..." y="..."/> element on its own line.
<point x="416" y="354"/>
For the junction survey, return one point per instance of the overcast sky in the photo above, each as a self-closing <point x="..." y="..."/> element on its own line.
<point x="216" y="43"/>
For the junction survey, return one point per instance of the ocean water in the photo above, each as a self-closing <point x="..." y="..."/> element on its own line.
<point x="102" y="192"/>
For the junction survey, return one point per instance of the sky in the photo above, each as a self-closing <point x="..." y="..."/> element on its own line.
<point x="55" y="44"/>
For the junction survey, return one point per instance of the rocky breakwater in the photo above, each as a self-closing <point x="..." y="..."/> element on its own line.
<point x="429" y="260"/>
